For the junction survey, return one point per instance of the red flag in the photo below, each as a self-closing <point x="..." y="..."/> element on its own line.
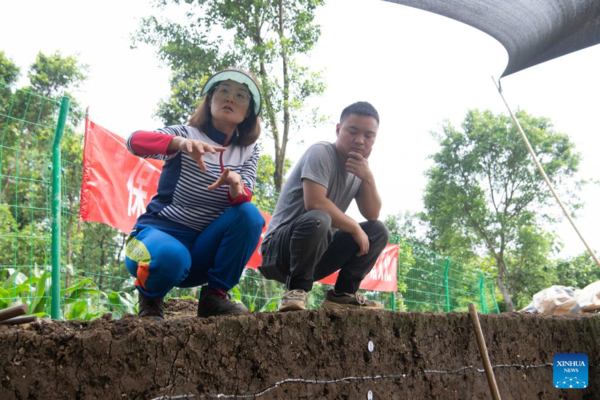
<point x="256" y="259"/>
<point x="383" y="275"/>
<point x="116" y="186"/>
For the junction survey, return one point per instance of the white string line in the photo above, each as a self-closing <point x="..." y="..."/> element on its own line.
<point x="350" y="378"/>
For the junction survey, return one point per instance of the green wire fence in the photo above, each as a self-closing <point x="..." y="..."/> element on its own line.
<point x="27" y="121"/>
<point x="69" y="269"/>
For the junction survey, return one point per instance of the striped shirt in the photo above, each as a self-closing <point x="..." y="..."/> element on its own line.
<point x="183" y="200"/>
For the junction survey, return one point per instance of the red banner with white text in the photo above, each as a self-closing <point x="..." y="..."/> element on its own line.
<point x="116" y="186"/>
<point x="382" y="277"/>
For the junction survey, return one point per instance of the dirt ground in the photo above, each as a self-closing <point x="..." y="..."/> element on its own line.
<point x="297" y="355"/>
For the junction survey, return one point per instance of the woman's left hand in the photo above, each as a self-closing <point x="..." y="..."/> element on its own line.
<point x="231" y="178"/>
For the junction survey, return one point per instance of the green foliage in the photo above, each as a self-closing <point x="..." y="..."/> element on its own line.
<point x="122" y="301"/>
<point x="264" y="37"/>
<point x="530" y="264"/>
<point x="28" y="121"/>
<point x="578" y="271"/>
<point x="23" y="289"/>
<point x="9" y="72"/>
<point x="27" y="141"/>
<point x="258" y="294"/>
<point x="485" y="195"/>
<point x="265" y="194"/>
<point x="51" y="76"/>
<point x="403" y="226"/>
<point x="82" y="301"/>
<point x="406" y="261"/>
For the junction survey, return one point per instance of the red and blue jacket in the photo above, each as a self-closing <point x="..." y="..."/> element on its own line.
<point x="183" y="200"/>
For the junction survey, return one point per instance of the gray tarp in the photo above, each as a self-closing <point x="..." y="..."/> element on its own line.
<point x="532" y="31"/>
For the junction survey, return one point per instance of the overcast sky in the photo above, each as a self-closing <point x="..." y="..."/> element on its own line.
<point x="418" y="69"/>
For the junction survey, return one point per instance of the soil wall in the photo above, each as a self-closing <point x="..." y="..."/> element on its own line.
<point x="303" y="355"/>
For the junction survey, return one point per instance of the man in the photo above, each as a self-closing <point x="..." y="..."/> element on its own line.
<point x="309" y="236"/>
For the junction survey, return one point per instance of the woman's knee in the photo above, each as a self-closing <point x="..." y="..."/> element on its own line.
<point x="174" y="262"/>
<point x="166" y="258"/>
<point x="250" y="216"/>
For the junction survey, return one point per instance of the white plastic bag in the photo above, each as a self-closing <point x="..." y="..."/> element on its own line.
<point x="555" y="300"/>
<point x="589" y="297"/>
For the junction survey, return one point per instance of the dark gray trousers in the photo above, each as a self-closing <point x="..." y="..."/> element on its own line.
<point x="305" y="251"/>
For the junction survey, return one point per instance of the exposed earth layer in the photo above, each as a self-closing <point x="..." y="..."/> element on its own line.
<point x="295" y="355"/>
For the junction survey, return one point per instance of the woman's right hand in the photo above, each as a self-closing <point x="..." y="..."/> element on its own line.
<point x="195" y="149"/>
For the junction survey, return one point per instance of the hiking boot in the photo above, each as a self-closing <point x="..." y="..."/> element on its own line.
<point x="217" y="302"/>
<point x="151" y="308"/>
<point x="335" y="300"/>
<point x="293" y="300"/>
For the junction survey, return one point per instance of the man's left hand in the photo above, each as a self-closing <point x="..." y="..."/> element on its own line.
<point x="358" y="165"/>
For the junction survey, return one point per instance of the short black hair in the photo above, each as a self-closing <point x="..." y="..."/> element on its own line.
<point x="360" y="108"/>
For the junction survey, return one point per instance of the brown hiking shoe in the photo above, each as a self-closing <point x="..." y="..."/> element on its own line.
<point x="217" y="302"/>
<point x="293" y="300"/>
<point x="335" y="300"/>
<point x="151" y="308"/>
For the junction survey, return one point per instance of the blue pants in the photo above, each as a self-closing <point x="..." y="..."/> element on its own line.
<point x="162" y="258"/>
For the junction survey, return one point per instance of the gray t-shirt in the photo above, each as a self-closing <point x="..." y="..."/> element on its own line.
<point x="322" y="165"/>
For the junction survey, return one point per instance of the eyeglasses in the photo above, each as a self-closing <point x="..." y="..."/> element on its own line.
<point x="241" y="97"/>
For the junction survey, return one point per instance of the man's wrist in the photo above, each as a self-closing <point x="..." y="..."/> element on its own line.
<point x="356" y="227"/>
<point x="368" y="176"/>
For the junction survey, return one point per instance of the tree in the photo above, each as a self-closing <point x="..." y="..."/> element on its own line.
<point x="484" y="189"/>
<point x="577" y="271"/>
<point x="265" y="194"/>
<point x="530" y="264"/>
<point x="9" y="72"/>
<point x="403" y="226"/>
<point x="31" y="127"/>
<point x="263" y="36"/>
<point x="28" y="134"/>
<point x="55" y="74"/>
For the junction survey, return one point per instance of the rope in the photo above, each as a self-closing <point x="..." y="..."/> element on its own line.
<point x="346" y="379"/>
<point x="541" y="169"/>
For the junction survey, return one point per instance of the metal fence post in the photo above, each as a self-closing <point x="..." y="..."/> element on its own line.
<point x="56" y="206"/>
<point x="494" y="297"/>
<point x="481" y="294"/>
<point x="446" y="285"/>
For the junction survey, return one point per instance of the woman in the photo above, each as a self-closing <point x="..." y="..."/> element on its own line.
<point x="200" y="228"/>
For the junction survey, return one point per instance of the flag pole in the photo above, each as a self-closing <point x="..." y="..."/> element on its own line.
<point x="541" y="169"/>
<point x="87" y="118"/>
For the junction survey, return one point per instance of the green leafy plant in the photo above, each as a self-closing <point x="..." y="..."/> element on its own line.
<point x="82" y="300"/>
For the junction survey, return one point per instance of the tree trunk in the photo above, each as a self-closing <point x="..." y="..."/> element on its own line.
<point x="280" y="155"/>
<point x="7" y="174"/>
<point x="279" y="163"/>
<point x="272" y="119"/>
<point x="503" y="289"/>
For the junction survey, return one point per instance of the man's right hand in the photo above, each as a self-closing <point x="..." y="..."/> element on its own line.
<point x="361" y="238"/>
<point x="315" y="198"/>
